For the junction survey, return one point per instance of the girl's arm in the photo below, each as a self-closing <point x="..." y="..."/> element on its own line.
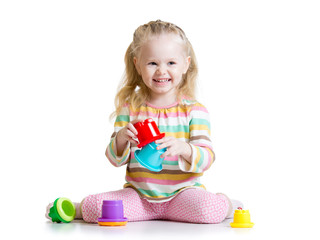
<point x="202" y="155"/>
<point x="118" y="152"/>
<point x="197" y="154"/>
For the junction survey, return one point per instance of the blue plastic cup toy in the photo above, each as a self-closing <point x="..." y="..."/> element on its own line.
<point x="149" y="157"/>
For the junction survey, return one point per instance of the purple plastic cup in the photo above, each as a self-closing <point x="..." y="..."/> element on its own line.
<point x="112" y="211"/>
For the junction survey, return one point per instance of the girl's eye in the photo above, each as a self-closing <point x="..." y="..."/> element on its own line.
<point x="172" y="63"/>
<point x="152" y="63"/>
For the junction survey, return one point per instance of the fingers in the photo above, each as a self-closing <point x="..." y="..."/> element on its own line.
<point x="132" y="129"/>
<point x="166" y="154"/>
<point x="170" y="152"/>
<point x="165" y="139"/>
<point x="133" y="141"/>
<point x="170" y="143"/>
<point x="165" y="142"/>
<point x="130" y="126"/>
<point x="129" y="133"/>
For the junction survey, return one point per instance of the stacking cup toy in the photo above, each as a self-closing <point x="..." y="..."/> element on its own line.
<point x="63" y="210"/>
<point x="149" y="156"/>
<point x="241" y="219"/>
<point x="147" y="132"/>
<point x="112" y="214"/>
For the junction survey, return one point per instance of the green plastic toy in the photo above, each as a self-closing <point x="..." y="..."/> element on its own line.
<point x="63" y="210"/>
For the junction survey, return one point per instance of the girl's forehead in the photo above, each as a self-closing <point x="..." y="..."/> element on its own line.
<point x="168" y="38"/>
<point x="163" y="44"/>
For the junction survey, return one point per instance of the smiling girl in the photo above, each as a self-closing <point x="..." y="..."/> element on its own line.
<point x="160" y="80"/>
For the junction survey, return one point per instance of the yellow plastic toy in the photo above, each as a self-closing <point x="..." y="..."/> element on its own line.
<point x="241" y="219"/>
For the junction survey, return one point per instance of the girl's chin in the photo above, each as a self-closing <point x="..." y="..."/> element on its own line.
<point x="163" y="92"/>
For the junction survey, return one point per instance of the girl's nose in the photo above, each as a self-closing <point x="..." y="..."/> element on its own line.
<point x="161" y="70"/>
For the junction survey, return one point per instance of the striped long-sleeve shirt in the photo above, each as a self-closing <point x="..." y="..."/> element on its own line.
<point x="187" y="121"/>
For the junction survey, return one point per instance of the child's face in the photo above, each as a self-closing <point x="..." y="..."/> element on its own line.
<point x="161" y="63"/>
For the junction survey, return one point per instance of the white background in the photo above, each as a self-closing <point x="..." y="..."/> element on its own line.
<point x="60" y="65"/>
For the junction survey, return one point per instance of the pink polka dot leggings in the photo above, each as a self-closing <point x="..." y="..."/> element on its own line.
<point x="191" y="205"/>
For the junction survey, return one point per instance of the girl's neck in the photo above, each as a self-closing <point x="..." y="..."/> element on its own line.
<point x="162" y="101"/>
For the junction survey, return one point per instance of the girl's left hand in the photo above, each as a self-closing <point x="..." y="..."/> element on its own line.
<point x="174" y="147"/>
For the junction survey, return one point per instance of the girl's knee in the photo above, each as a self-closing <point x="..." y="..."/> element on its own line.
<point x="200" y="206"/>
<point x="214" y="208"/>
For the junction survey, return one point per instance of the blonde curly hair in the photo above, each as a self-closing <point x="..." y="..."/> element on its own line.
<point x="132" y="89"/>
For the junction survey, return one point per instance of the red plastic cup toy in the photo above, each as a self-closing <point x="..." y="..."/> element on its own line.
<point x="112" y="214"/>
<point x="147" y="132"/>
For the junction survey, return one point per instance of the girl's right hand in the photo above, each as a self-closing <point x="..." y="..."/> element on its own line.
<point x="128" y="133"/>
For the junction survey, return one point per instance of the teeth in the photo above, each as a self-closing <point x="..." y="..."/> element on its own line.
<point x="166" y="80"/>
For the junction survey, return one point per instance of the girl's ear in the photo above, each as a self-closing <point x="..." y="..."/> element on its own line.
<point x="136" y="64"/>
<point x="188" y="60"/>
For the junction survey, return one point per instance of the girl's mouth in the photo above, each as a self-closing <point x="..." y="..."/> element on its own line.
<point x="162" y="80"/>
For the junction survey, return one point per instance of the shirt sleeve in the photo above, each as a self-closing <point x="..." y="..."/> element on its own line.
<point x="202" y="152"/>
<point x="121" y="121"/>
